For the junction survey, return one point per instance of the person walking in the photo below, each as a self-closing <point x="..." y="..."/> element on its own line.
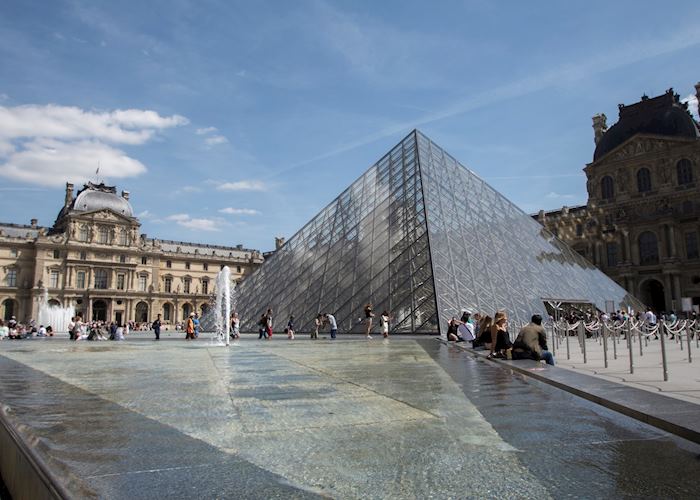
<point x="156" y="327"/>
<point x="368" y="320"/>
<point x="195" y="320"/>
<point x="263" y="327"/>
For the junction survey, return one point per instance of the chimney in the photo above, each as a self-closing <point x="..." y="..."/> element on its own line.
<point x="697" y="95"/>
<point x="599" y="126"/>
<point x="69" y="194"/>
<point x="34" y="222"/>
<point x="279" y="242"/>
<point x="125" y="195"/>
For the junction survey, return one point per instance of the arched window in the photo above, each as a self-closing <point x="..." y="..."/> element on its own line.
<point x="83" y="233"/>
<point x="684" y="170"/>
<point x="648" y="248"/>
<point x="167" y="311"/>
<point x="607" y="188"/>
<point x="643" y="180"/>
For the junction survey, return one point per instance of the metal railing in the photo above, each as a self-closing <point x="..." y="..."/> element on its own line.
<point x="629" y="335"/>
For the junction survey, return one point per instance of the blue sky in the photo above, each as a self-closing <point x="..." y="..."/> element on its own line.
<point x="234" y="122"/>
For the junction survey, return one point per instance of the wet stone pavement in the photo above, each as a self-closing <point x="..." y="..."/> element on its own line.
<point x="407" y="418"/>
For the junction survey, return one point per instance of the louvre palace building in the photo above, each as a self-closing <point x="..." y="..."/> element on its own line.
<point x="94" y="259"/>
<point x="640" y="225"/>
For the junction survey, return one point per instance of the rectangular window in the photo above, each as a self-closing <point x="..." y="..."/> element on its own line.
<point x="205" y="287"/>
<point x="80" y="279"/>
<point x="83" y="256"/>
<point x="691" y="245"/>
<point x="53" y="279"/>
<point x="187" y="286"/>
<point x="612" y="254"/>
<point x="187" y="265"/>
<point x="142" y="283"/>
<point x="238" y="269"/>
<point x="13" y="252"/>
<point x="144" y="260"/>
<point x="101" y="279"/>
<point x="168" y="264"/>
<point x="579" y="229"/>
<point x="11" y="278"/>
<point x="120" y="281"/>
<point x="205" y="266"/>
<point x="168" y="285"/>
<point x="123" y="238"/>
<point x="122" y="259"/>
<point x="56" y="254"/>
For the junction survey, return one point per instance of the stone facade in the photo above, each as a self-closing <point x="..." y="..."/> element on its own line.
<point x="641" y="223"/>
<point x="94" y="258"/>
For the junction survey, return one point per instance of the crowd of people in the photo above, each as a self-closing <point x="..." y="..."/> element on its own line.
<point x="491" y="334"/>
<point x="12" y="330"/>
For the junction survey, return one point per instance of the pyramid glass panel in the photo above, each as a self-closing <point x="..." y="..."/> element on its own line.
<point x="423" y="237"/>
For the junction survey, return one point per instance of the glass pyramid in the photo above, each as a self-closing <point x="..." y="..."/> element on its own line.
<point x="423" y="237"/>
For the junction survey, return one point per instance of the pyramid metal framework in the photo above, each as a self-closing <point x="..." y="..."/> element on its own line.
<point x="423" y="237"/>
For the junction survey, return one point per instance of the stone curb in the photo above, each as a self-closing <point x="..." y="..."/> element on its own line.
<point x="24" y="472"/>
<point x="669" y="414"/>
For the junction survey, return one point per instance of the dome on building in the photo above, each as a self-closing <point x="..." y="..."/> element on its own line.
<point x="99" y="197"/>
<point x="661" y="115"/>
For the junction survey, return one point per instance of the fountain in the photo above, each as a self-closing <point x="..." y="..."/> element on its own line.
<point x="55" y="316"/>
<point x="218" y="317"/>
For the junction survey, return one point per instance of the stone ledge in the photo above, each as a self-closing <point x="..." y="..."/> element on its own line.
<point x="669" y="414"/>
<point x="24" y="473"/>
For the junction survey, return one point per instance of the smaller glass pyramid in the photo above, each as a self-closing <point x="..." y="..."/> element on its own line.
<point x="422" y="237"/>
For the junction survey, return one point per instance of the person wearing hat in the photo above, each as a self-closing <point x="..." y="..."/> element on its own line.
<point x="189" y="327"/>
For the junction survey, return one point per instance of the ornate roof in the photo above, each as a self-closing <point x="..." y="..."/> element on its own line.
<point x="99" y="197"/>
<point x="661" y="115"/>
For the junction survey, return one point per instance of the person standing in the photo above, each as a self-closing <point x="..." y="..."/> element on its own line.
<point x="368" y="319"/>
<point x="156" y="327"/>
<point x="189" y="327"/>
<point x="195" y="320"/>
<point x="290" y="328"/>
<point x="263" y="327"/>
<point x="333" y="325"/>
<point x="268" y="320"/>
<point x="317" y="325"/>
<point x="384" y="323"/>
<point x="235" y="326"/>
<point x="71" y="328"/>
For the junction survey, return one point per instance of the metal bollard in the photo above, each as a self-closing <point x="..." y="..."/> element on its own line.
<point x="629" y="346"/>
<point x="568" y="355"/>
<point x="639" y="334"/>
<point x="582" y="335"/>
<point x="605" y="347"/>
<point x="614" y="343"/>
<point x="662" y="333"/>
<point x="687" y="337"/>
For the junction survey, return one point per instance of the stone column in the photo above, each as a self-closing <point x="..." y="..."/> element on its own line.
<point x="88" y="313"/>
<point x="677" y="290"/>
<point x="625" y="243"/>
<point x="668" y="291"/>
<point x="672" y="240"/>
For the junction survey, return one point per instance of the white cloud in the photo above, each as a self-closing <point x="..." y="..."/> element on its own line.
<point x="692" y="104"/>
<point x="242" y="186"/>
<point x="556" y="196"/>
<point x="239" y="211"/>
<point x="206" y="130"/>
<point x="49" y="162"/>
<point x="129" y="126"/>
<point x="197" y="224"/>
<point x="51" y="144"/>
<point x="216" y="139"/>
<point x="146" y="214"/>
<point x="190" y="189"/>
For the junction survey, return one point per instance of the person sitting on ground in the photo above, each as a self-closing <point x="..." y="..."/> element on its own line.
<point x="483" y="337"/>
<point x="531" y="342"/>
<point x="500" y="338"/>
<point x="466" y="329"/>
<point x="453" y="330"/>
<point x="119" y="333"/>
<point x="41" y="332"/>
